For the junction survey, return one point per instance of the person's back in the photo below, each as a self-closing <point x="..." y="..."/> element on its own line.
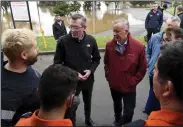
<point x="18" y="77"/>
<point x="56" y="90"/>
<point x="168" y="86"/>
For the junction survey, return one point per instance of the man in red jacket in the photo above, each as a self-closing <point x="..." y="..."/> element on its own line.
<point x="125" y="66"/>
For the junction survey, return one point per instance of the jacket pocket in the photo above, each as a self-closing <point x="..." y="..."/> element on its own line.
<point x="131" y="64"/>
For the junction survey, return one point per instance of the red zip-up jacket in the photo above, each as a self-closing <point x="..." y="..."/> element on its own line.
<point x="125" y="71"/>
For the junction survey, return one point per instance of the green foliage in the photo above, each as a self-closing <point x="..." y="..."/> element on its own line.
<point x="5" y="5"/>
<point x="87" y="5"/>
<point x="47" y="3"/>
<point x="65" y="8"/>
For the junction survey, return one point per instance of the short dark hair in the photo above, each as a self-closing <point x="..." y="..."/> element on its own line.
<point x="176" y="30"/>
<point x="170" y="66"/>
<point x="56" y="85"/>
<point x="79" y="16"/>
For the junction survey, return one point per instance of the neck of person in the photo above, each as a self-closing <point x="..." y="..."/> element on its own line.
<point x="122" y="41"/>
<point x="155" y="11"/>
<point x="173" y="104"/>
<point x="16" y="66"/>
<point x="55" y="114"/>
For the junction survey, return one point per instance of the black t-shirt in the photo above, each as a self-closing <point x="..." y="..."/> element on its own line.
<point x="15" y="87"/>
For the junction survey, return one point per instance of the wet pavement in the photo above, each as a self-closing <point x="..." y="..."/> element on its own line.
<point x="102" y="104"/>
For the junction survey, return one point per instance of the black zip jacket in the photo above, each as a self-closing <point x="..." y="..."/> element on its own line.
<point x="154" y="20"/>
<point x="78" y="55"/>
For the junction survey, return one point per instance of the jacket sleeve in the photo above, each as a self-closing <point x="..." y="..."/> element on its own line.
<point x="147" y="21"/>
<point x="60" y="53"/>
<point x="148" y="50"/>
<point x="54" y="32"/>
<point x="141" y="69"/>
<point x="161" y="20"/>
<point x="95" y="57"/>
<point x="154" y="56"/>
<point x="106" y="62"/>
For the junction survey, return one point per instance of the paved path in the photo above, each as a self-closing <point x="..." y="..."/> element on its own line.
<point x="102" y="105"/>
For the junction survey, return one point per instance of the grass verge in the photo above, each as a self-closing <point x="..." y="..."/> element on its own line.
<point x="51" y="43"/>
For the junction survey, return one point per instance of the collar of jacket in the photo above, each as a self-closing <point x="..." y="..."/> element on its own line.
<point x="129" y="40"/>
<point x="84" y="35"/>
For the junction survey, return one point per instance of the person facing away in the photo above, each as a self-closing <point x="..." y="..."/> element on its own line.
<point x="79" y="51"/>
<point x="154" y="21"/>
<point x="56" y="90"/>
<point x="58" y="27"/>
<point x="152" y="54"/>
<point x="125" y="66"/>
<point x="19" y="79"/>
<point x="180" y="14"/>
<point x="168" y="88"/>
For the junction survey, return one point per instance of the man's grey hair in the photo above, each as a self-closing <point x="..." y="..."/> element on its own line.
<point x="180" y="8"/>
<point x="175" y="18"/>
<point x="79" y="16"/>
<point x="124" y="22"/>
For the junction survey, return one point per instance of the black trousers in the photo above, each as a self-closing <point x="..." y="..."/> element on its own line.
<point x="151" y="31"/>
<point x="129" y="102"/>
<point x="86" y="87"/>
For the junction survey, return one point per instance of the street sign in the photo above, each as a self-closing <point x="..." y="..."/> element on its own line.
<point x="20" y="11"/>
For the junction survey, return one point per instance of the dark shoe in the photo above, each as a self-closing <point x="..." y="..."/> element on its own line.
<point x="117" y="124"/>
<point x="89" y="122"/>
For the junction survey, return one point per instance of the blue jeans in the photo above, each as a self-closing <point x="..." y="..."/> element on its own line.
<point x="152" y="103"/>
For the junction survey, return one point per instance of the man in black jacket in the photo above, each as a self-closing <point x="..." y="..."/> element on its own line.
<point x="79" y="51"/>
<point x="180" y="14"/>
<point x="58" y="27"/>
<point x="153" y="22"/>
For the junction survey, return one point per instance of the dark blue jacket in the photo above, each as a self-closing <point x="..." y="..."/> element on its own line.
<point x="154" y="20"/>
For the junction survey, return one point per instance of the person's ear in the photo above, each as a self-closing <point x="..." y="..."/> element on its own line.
<point x="24" y="55"/>
<point x="85" y="26"/>
<point x="168" y="89"/>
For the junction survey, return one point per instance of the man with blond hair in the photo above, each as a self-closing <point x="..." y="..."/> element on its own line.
<point x="19" y="79"/>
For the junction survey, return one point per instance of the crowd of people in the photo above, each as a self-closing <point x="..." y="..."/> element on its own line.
<point x="52" y="98"/>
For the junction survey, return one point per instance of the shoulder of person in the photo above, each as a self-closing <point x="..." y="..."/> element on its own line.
<point x="157" y="36"/>
<point x="64" y="37"/>
<point x="159" y="12"/>
<point x="33" y="71"/>
<point x="90" y="37"/>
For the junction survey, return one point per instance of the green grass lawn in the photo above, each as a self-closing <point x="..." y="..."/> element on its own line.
<point x="51" y="44"/>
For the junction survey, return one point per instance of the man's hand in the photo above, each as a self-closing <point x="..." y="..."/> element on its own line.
<point x="87" y="74"/>
<point x="81" y="77"/>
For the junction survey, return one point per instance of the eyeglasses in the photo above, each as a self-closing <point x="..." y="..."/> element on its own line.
<point x="75" y="28"/>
